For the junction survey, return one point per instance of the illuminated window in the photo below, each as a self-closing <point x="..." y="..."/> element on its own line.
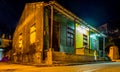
<point x="20" y="41"/>
<point x="70" y="36"/>
<point x="32" y="34"/>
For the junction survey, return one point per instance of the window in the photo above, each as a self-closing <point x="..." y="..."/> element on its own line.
<point x="32" y="34"/>
<point x="0" y="41"/>
<point x="70" y="36"/>
<point x="85" y="41"/>
<point x="20" y="41"/>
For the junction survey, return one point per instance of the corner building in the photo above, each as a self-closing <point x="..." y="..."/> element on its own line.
<point x="46" y="26"/>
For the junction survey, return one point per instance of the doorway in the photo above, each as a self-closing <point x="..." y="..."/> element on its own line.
<point x="56" y="36"/>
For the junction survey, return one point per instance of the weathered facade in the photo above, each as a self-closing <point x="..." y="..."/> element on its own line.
<point x="48" y="32"/>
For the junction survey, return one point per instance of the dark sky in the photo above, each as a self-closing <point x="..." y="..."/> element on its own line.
<point x="94" y="12"/>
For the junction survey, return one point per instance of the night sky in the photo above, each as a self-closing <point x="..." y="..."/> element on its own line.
<point x="94" y="12"/>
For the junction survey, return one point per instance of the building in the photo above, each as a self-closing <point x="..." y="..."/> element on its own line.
<point x="47" y="32"/>
<point x="5" y="41"/>
<point x="113" y="53"/>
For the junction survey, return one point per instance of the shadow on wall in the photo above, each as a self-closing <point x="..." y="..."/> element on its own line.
<point x="107" y="49"/>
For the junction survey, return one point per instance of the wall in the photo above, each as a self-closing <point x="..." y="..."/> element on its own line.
<point x="32" y="14"/>
<point x="80" y="31"/>
<point x="79" y="37"/>
<point x="72" y="58"/>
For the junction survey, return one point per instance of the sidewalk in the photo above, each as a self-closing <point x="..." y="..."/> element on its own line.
<point x="9" y="67"/>
<point x="82" y="63"/>
<point x="59" y="64"/>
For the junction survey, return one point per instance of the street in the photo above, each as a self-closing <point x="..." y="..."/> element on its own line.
<point x="96" y="67"/>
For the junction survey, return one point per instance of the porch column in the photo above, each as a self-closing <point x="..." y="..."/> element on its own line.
<point x="104" y="47"/>
<point x="74" y="36"/>
<point x="49" y="53"/>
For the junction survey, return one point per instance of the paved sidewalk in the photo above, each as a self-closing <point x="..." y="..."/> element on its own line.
<point x="45" y="65"/>
<point x="71" y="67"/>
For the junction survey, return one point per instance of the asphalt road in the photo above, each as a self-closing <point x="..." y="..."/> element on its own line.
<point x="96" y="67"/>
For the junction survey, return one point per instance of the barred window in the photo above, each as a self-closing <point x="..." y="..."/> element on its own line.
<point x="70" y="36"/>
<point x="85" y="41"/>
